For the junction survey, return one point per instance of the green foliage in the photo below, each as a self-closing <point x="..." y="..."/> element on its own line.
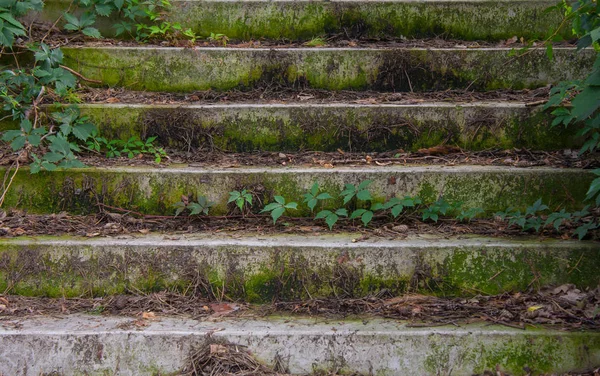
<point x="365" y="215"/>
<point x="535" y="218"/>
<point x="469" y="214"/>
<point x="312" y="198"/>
<point x="330" y="217"/>
<point x="583" y="95"/>
<point x="433" y="212"/>
<point x="10" y="11"/>
<point x="240" y="198"/>
<point x="397" y="205"/>
<point x="202" y="206"/>
<point x="219" y="38"/>
<point x="278" y="207"/>
<point x="360" y="192"/>
<point x="131" y="148"/>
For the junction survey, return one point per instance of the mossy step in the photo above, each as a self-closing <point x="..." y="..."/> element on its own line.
<point x="329" y="126"/>
<point x="399" y="69"/>
<point x="156" y="190"/>
<point x="262" y="268"/>
<point x="101" y="345"/>
<point x="304" y="20"/>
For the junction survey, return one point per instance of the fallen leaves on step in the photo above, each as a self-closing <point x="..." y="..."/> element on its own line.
<point x="223" y="309"/>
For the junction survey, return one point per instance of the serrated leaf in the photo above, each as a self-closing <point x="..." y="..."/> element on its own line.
<point x="324" y="196"/>
<point x="10" y="135"/>
<point x="342" y="212"/>
<point x="312" y="203"/>
<point x="92" y="32"/>
<point x="84" y="131"/>
<point x="323" y="214"/>
<point x="104" y="9"/>
<point x="18" y="143"/>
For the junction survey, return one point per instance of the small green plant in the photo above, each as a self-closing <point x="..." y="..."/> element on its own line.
<point x="312" y="198"/>
<point x="219" y="38"/>
<point x="202" y="206"/>
<point x="365" y="215"/>
<point x="360" y="192"/>
<point x="397" y="205"/>
<point x="535" y="219"/>
<point x="469" y="214"/>
<point x="130" y="148"/>
<point x="241" y="199"/>
<point x="433" y="212"/>
<point x="278" y="207"/>
<point x="331" y="217"/>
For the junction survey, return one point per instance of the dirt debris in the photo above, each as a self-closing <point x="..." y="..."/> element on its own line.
<point x="562" y="307"/>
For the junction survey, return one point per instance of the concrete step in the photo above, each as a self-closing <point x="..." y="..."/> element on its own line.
<point x="155" y="190"/>
<point x="243" y="127"/>
<point x="304" y="20"/>
<point x="263" y="268"/>
<point x="94" y="345"/>
<point x="385" y="69"/>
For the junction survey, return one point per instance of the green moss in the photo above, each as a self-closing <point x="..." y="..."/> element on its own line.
<point x="482" y="20"/>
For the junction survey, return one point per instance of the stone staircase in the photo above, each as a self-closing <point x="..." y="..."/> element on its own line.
<point x="259" y="266"/>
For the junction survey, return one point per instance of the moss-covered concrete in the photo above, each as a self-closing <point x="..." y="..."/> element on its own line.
<point x="304" y="20"/>
<point x="98" y="346"/>
<point x="154" y="191"/>
<point x="188" y="69"/>
<point x="327" y="127"/>
<point x="291" y="268"/>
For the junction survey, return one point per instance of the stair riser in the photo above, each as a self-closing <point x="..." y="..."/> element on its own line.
<point x="291" y="269"/>
<point x="304" y="20"/>
<point x="156" y="191"/>
<point x="97" y="346"/>
<point x="326" y="127"/>
<point x="182" y="70"/>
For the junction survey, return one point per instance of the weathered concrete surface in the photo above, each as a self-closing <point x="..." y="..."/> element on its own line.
<point x="93" y="345"/>
<point x="258" y="268"/>
<point x="156" y="190"/>
<point x="304" y="20"/>
<point x="399" y="69"/>
<point x="242" y="127"/>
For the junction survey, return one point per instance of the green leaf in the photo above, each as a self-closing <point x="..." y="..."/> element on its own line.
<point x="53" y="157"/>
<point x="84" y="131"/>
<point x="271" y="206"/>
<point x="291" y="205"/>
<point x="324" y="196"/>
<point x="323" y="214"/>
<point x="396" y="210"/>
<point x="314" y="189"/>
<point x="312" y="203"/>
<point x="104" y="9"/>
<point x="342" y="212"/>
<point x="92" y="32"/>
<point x="586" y="102"/>
<point x="11" y="135"/>
<point x="26" y="125"/>
<point x="279" y="199"/>
<point x="18" y="143"/>
<point x="276" y="213"/>
<point x="364" y="184"/>
<point x="331" y="220"/>
<point x="34" y="140"/>
<point x="364" y="195"/>
<point x="367" y="217"/>
<point x="357" y="213"/>
<point x="71" y="19"/>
